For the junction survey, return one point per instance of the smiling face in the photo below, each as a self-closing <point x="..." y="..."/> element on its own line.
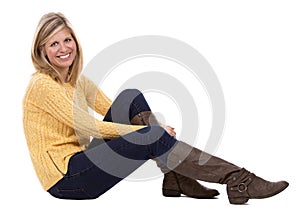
<point x="61" y="51"/>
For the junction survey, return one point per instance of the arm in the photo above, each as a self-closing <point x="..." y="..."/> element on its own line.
<point x="55" y="102"/>
<point x="95" y="97"/>
<point x="99" y="102"/>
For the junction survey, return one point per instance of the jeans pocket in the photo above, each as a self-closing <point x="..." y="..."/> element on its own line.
<point x="78" y="194"/>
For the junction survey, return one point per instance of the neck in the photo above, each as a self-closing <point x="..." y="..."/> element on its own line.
<point x="64" y="75"/>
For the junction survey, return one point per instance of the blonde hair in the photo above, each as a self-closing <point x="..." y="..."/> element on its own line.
<point x="50" y="24"/>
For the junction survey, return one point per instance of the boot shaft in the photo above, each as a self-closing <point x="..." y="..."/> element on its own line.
<point x="192" y="162"/>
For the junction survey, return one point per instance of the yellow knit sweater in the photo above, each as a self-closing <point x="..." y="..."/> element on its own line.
<point x="57" y="123"/>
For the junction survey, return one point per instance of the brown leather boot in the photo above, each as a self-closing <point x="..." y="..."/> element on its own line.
<point x="175" y="184"/>
<point x="144" y="118"/>
<point x="241" y="184"/>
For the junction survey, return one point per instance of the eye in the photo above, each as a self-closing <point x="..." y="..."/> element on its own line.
<point x="68" y="40"/>
<point x="53" y="44"/>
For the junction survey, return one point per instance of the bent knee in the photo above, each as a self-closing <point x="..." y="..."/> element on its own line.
<point x="131" y="91"/>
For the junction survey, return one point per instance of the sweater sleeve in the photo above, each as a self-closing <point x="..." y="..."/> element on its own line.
<point x="56" y="103"/>
<point x="95" y="97"/>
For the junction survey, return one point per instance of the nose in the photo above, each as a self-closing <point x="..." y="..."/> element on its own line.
<point x="63" y="47"/>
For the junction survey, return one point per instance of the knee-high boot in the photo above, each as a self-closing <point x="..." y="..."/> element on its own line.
<point x="175" y="184"/>
<point x="242" y="185"/>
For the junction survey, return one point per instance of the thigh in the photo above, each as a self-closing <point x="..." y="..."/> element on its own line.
<point x="84" y="180"/>
<point x="121" y="156"/>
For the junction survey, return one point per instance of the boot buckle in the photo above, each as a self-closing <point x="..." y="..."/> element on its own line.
<point x="242" y="187"/>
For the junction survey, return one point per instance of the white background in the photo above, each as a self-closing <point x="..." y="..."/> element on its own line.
<point x="253" y="47"/>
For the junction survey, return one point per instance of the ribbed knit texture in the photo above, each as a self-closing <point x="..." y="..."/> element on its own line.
<point x="57" y="123"/>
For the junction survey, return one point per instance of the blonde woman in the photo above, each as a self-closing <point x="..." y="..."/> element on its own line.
<point x="57" y="128"/>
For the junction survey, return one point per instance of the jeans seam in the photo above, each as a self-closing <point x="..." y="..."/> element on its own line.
<point x="78" y="173"/>
<point x="81" y="189"/>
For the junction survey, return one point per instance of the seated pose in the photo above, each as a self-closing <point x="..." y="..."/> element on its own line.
<point x="58" y="128"/>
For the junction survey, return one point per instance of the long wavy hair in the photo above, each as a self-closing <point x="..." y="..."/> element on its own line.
<point x="50" y="24"/>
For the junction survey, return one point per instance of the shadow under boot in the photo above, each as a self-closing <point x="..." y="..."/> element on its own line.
<point x="241" y="184"/>
<point x="175" y="184"/>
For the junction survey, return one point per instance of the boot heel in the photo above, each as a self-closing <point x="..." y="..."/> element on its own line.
<point x="241" y="200"/>
<point x="170" y="193"/>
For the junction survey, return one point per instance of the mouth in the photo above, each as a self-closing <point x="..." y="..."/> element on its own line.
<point x="64" y="56"/>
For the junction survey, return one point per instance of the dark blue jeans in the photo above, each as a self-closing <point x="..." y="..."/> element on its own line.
<point x="106" y="162"/>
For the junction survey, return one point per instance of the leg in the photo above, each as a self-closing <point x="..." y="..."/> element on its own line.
<point x="241" y="184"/>
<point x="174" y="184"/>
<point x="81" y="168"/>
<point x="125" y="107"/>
<point x="93" y="172"/>
<point x="134" y="149"/>
<point x="130" y="107"/>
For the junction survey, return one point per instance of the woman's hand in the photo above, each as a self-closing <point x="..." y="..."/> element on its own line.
<point x="170" y="130"/>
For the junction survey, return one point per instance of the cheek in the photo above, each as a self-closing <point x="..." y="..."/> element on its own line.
<point x="50" y="53"/>
<point x="73" y="46"/>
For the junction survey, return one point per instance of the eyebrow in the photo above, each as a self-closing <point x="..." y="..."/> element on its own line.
<point x="66" y="37"/>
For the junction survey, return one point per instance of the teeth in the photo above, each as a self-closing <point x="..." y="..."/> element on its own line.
<point x="64" y="57"/>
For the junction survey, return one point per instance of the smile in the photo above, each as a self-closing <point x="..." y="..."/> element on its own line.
<point x="64" y="57"/>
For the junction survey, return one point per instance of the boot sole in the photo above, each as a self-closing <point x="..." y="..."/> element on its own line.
<point x="175" y="193"/>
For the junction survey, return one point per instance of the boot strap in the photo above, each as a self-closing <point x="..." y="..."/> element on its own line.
<point x="243" y="185"/>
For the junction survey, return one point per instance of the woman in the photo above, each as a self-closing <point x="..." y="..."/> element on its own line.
<point x="58" y="127"/>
